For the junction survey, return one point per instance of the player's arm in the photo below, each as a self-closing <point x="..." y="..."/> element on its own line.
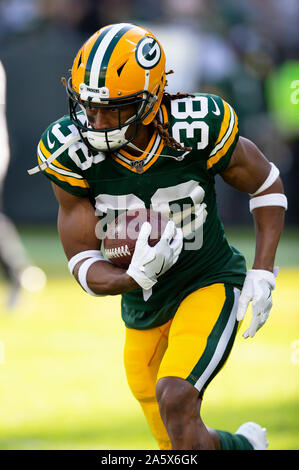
<point x="77" y="231"/>
<point x="249" y="171"/>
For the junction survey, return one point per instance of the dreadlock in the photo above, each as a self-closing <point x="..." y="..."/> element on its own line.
<point x="163" y="128"/>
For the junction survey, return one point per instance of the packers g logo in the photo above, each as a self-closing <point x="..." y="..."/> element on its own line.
<point x="148" y="53"/>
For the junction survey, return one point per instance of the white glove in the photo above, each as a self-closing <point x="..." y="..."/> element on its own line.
<point x="257" y="288"/>
<point x="150" y="262"/>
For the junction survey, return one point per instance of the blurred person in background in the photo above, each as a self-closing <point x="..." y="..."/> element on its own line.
<point x="121" y="129"/>
<point x="13" y="256"/>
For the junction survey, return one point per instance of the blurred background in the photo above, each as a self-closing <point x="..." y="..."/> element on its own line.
<point x="53" y="337"/>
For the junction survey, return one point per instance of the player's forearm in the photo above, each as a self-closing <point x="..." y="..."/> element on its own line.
<point x="268" y="223"/>
<point x="104" y="278"/>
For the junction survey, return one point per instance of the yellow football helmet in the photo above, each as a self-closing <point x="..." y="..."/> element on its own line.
<point x="120" y="64"/>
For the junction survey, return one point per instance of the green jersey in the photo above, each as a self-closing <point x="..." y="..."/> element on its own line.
<point x="180" y="184"/>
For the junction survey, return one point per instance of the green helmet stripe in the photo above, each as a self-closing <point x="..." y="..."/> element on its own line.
<point x="101" y="52"/>
<point x="92" y="54"/>
<point x="108" y="53"/>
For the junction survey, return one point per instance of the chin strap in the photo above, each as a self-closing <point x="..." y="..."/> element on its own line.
<point x="180" y="158"/>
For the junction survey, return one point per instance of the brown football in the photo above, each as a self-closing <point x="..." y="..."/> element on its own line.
<point x="122" y="233"/>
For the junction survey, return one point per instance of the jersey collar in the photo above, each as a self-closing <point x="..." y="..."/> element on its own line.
<point x="151" y="153"/>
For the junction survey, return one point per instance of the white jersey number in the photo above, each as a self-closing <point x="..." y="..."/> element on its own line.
<point x="189" y="216"/>
<point x="182" y="109"/>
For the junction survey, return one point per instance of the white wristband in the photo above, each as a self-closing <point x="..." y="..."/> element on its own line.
<point x="272" y="199"/>
<point x="273" y="175"/>
<point x="82" y="255"/>
<point x="82" y="273"/>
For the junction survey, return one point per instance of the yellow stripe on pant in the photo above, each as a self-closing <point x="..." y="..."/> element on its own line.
<point x="194" y="345"/>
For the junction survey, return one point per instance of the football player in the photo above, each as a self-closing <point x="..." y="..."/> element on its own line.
<point x="127" y="144"/>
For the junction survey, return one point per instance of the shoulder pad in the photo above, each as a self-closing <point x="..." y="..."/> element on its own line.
<point x="60" y="155"/>
<point x="206" y="123"/>
<point x="225" y="127"/>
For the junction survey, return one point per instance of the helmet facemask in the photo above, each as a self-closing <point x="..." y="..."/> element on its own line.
<point x="113" y="138"/>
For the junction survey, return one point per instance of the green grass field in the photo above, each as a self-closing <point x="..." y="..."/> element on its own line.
<point x="62" y="380"/>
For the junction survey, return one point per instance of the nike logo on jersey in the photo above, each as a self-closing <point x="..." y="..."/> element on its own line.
<point x="217" y="110"/>
<point x="50" y="144"/>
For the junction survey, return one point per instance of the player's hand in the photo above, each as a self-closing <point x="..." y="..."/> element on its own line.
<point x="257" y="289"/>
<point x="150" y="262"/>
